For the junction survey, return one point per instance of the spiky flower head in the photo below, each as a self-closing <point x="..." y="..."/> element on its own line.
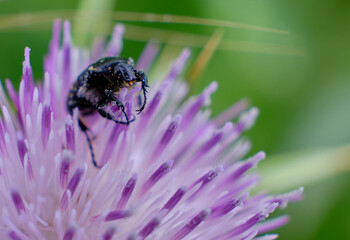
<point x="174" y="173"/>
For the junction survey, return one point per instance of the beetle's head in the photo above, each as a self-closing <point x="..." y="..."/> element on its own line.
<point x="125" y="74"/>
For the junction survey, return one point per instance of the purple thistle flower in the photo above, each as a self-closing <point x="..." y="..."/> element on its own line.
<point x="174" y="173"/>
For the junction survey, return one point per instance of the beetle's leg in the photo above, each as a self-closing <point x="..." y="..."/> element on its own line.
<point x="144" y="90"/>
<point x="107" y="115"/>
<point x="120" y="105"/>
<point x="84" y="130"/>
<point x="144" y="85"/>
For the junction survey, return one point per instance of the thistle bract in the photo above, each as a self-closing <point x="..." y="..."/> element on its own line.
<point x="174" y="173"/>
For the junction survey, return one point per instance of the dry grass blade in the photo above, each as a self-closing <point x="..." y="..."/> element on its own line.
<point x="22" y="19"/>
<point x="167" y="18"/>
<point x="42" y="20"/>
<point x="137" y="33"/>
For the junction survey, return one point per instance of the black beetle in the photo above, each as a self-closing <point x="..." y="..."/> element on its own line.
<point x="98" y="85"/>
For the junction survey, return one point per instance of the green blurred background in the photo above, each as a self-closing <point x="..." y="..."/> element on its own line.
<point x="300" y="82"/>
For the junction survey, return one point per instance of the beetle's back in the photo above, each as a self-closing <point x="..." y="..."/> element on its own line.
<point x="89" y="89"/>
<point x="105" y="63"/>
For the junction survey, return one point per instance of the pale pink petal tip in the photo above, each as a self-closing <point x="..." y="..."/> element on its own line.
<point x="67" y="32"/>
<point x="269" y="225"/>
<point x="177" y="66"/>
<point x="148" y="55"/>
<point x="232" y="112"/>
<point x="116" y="43"/>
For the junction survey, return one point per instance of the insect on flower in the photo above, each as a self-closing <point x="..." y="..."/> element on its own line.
<point x="176" y="174"/>
<point x="97" y="86"/>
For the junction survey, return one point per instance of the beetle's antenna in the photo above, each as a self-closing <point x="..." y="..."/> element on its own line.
<point x="84" y="129"/>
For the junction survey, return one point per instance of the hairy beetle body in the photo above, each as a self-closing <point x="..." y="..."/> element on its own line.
<point x="98" y="85"/>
